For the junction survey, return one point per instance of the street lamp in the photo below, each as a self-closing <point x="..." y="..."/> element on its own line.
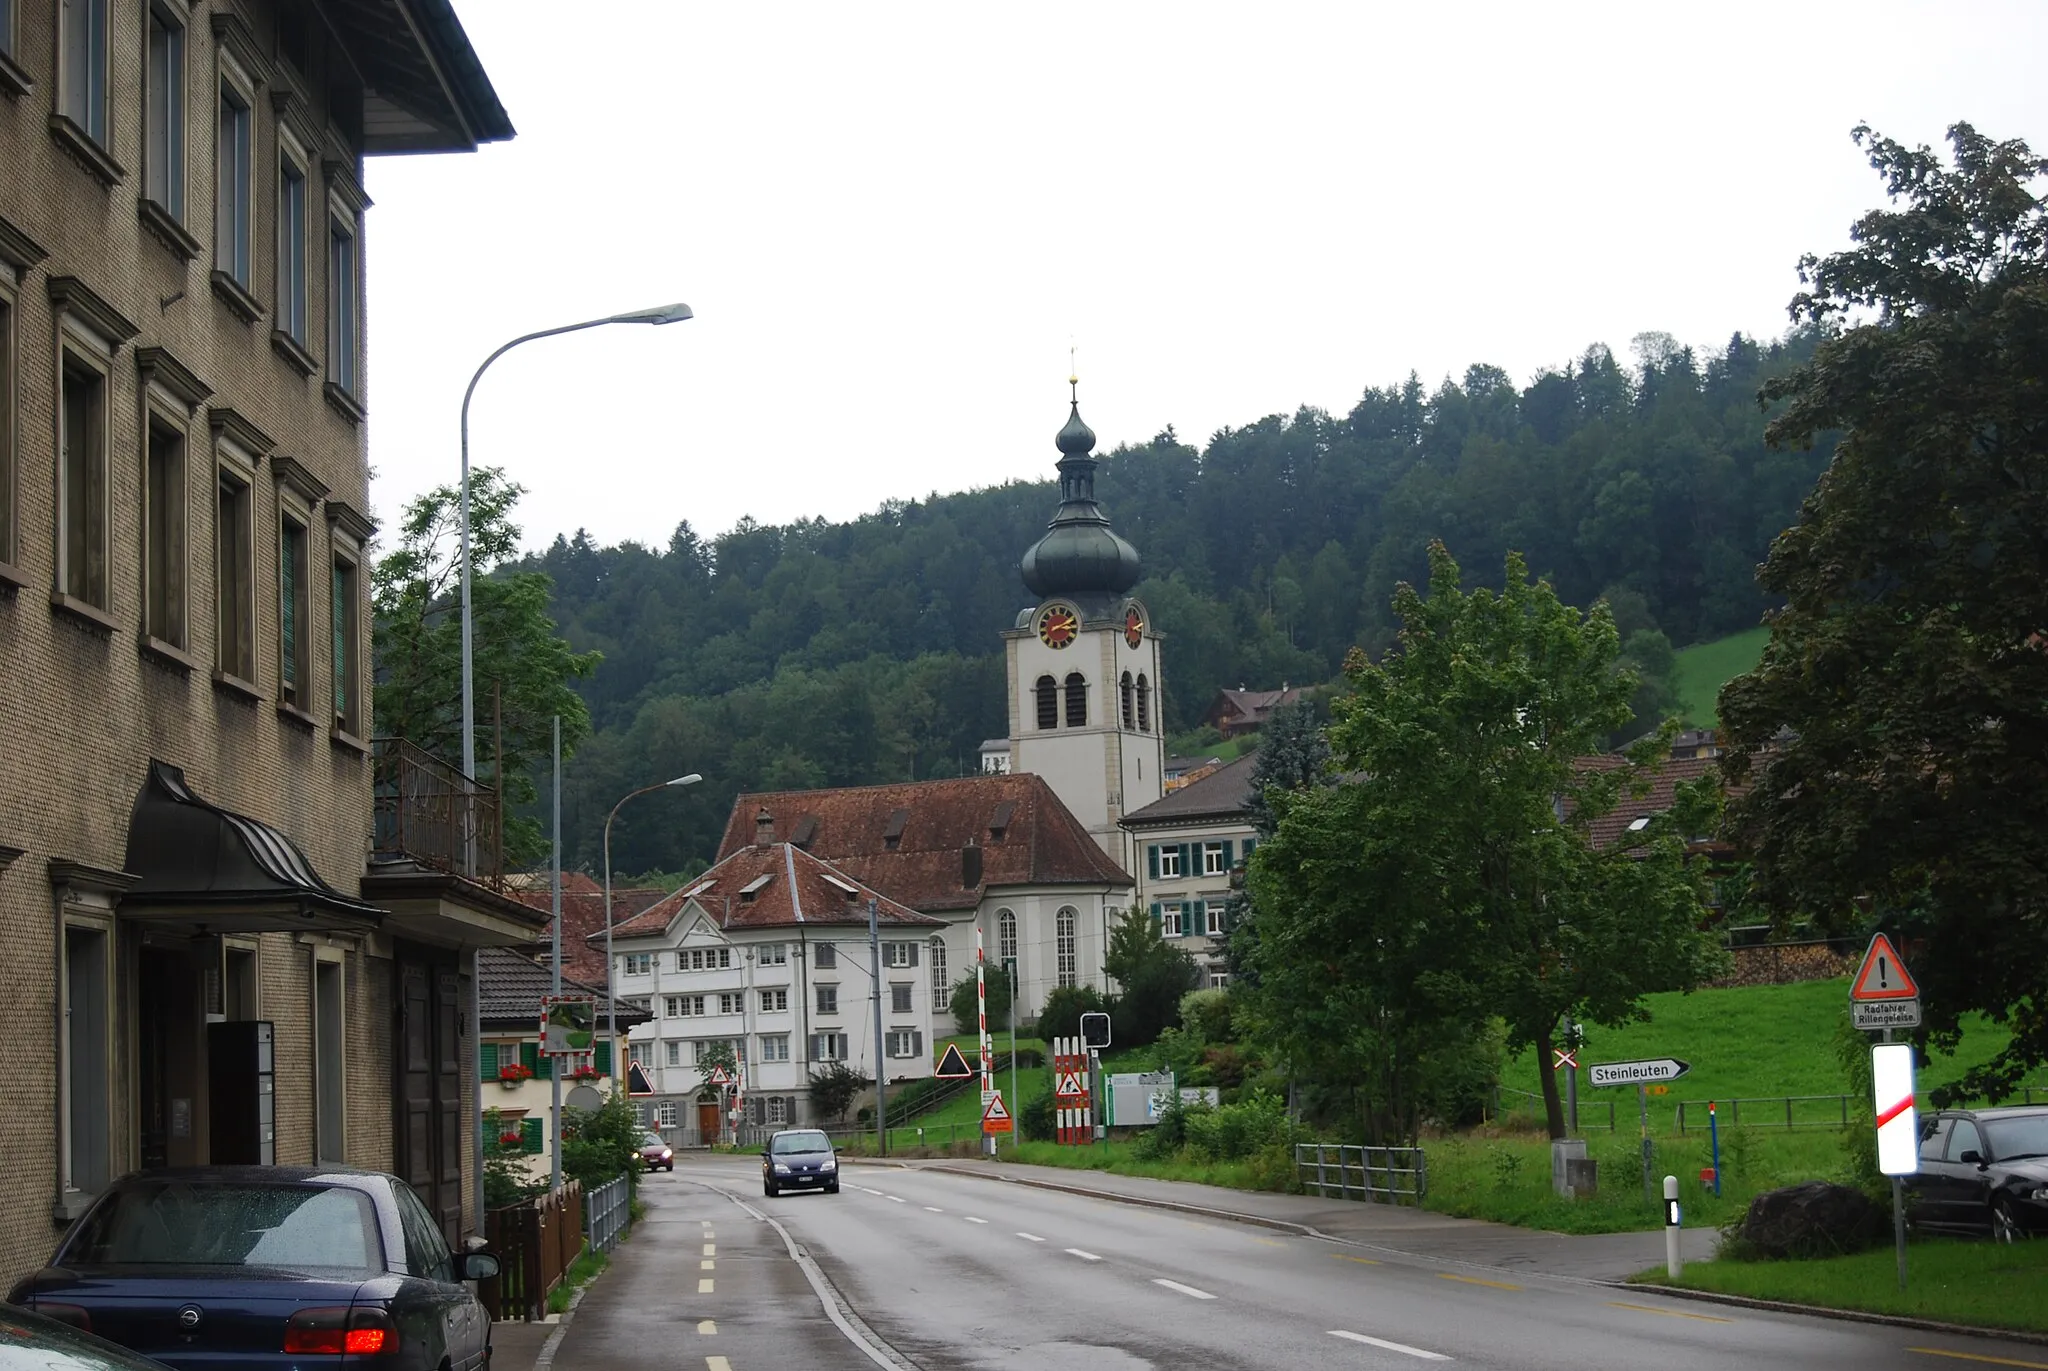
<point x="660" y="314"/>
<point x="611" y="1007"/>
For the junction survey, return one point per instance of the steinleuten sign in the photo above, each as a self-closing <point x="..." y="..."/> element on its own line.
<point x="1638" y="1073"/>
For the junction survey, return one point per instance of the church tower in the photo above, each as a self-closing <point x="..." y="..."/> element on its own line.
<point x="1084" y="662"/>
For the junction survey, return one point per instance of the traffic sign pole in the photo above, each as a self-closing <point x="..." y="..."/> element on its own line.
<point x="1714" y="1142"/>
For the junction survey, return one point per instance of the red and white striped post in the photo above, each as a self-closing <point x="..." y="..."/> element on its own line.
<point x="988" y="1056"/>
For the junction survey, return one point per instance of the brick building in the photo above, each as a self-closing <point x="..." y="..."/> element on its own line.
<point x="184" y="640"/>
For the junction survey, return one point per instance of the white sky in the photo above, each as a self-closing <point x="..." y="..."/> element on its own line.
<point x="892" y="219"/>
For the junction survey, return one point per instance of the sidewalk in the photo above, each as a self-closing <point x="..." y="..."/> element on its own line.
<point x="514" y="1346"/>
<point x="1394" y="1228"/>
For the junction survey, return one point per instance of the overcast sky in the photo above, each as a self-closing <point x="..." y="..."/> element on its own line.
<point x="893" y="220"/>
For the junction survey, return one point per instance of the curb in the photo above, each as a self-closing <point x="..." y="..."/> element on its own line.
<point x="1960" y="1330"/>
<point x="1149" y="1202"/>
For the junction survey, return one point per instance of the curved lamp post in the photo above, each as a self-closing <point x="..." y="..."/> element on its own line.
<point x="611" y="1006"/>
<point x="662" y="314"/>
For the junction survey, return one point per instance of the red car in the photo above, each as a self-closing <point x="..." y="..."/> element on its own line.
<point x="656" y="1155"/>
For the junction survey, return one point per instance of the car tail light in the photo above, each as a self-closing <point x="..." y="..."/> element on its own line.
<point x="331" y="1331"/>
<point x="72" y="1314"/>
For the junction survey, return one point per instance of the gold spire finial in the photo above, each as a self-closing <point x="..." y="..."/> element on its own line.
<point x="1073" y="373"/>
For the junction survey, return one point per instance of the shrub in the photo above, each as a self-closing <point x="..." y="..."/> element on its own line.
<point x="1225" y="1065"/>
<point x="600" y="1145"/>
<point x="966" y="1001"/>
<point x="1061" y="1016"/>
<point x="833" y="1088"/>
<point x="1036" y="1119"/>
<point x="1236" y="1131"/>
<point x="1206" y="1014"/>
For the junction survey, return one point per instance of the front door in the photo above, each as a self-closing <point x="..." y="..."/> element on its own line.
<point x="707" y="1121"/>
<point x="428" y="1106"/>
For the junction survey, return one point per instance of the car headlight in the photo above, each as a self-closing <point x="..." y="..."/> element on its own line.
<point x="2040" y="1196"/>
<point x="666" y="1154"/>
<point x="829" y="1164"/>
<point x="781" y="1170"/>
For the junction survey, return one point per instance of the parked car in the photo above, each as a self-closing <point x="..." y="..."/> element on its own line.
<point x="799" y="1159"/>
<point x="656" y="1155"/>
<point x="1983" y="1171"/>
<point x="36" y="1342"/>
<point x="270" y="1268"/>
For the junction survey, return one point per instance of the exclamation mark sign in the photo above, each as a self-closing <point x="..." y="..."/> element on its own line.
<point x="1884" y="976"/>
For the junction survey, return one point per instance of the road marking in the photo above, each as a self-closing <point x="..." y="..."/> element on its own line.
<point x="871" y="1192"/>
<point x="1084" y="1256"/>
<point x="1386" y="1346"/>
<point x="708" y="1328"/>
<point x="1474" y="1280"/>
<point x="704" y="1286"/>
<point x="710" y="1249"/>
<point x="972" y="1219"/>
<point x="717" y="1364"/>
<point x="1978" y="1356"/>
<point x="707" y="1265"/>
<point x="897" y="1198"/>
<point x="1668" y="1313"/>
<point x="1184" y="1289"/>
<point x="933" y="1209"/>
<point x="1268" y="1242"/>
<point x="1362" y="1261"/>
<point x="1029" y="1237"/>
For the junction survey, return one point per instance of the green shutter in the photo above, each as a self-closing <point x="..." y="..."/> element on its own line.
<point x="543" y="1068"/>
<point x="487" y="1061"/>
<point x="1189" y="855"/>
<point x="1250" y="844"/>
<point x="1152" y="863"/>
<point x="1229" y="854"/>
<point x="1199" y="924"/>
<point x="1155" y="911"/>
<point x="530" y="1139"/>
<point x="604" y="1056"/>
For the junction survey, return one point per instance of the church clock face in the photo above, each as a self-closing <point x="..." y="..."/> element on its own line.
<point x="1134" y="626"/>
<point x="1058" y="626"/>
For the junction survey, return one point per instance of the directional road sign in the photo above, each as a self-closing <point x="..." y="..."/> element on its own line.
<point x="953" y="1064"/>
<point x="1883" y="976"/>
<point x="1637" y="1073"/>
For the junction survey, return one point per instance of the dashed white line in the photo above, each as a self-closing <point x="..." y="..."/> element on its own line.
<point x="704" y="1286"/>
<point x="1030" y="1237"/>
<point x="707" y="1265"/>
<point x="708" y="1327"/>
<point x="871" y="1192"/>
<point x="972" y="1219"/>
<point x="1386" y="1346"/>
<point x="717" y="1364"/>
<point x="710" y="1249"/>
<point x="1184" y="1289"/>
<point x="1084" y="1256"/>
<point x="933" y="1209"/>
<point x="897" y="1198"/>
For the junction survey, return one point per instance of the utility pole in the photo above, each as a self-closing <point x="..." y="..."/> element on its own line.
<point x="555" y="885"/>
<point x="881" y="1071"/>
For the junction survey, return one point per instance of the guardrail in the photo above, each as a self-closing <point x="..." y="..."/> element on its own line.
<point x="607" y="1211"/>
<point x="1353" y="1171"/>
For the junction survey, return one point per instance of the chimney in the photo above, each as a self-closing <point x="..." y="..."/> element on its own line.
<point x="764" y="828"/>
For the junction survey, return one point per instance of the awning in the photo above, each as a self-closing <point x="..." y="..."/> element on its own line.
<point x="204" y="869"/>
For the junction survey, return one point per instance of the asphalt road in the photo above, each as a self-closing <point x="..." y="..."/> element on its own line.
<point x="941" y="1272"/>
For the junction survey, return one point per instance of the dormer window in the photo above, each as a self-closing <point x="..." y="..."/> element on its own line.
<point x="755" y="887"/>
<point x="892" y="836"/>
<point x="999" y="822"/>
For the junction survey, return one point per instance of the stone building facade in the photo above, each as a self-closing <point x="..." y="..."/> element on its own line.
<point x="184" y="619"/>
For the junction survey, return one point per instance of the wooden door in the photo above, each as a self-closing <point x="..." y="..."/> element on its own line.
<point x="707" y="1122"/>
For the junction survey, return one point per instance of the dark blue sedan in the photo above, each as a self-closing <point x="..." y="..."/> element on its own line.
<point x="799" y="1159"/>
<point x="268" y="1269"/>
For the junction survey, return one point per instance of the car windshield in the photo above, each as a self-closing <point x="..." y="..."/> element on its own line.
<point x="786" y="1143"/>
<point x="652" y="1140"/>
<point x="2025" y="1135"/>
<point x="309" y="1228"/>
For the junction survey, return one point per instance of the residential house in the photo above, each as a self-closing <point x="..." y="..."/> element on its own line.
<point x="768" y="953"/>
<point x="998" y="857"/>
<point x="1234" y="713"/>
<point x="519" y="1081"/>
<point x="185" y="729"/>
<point x="582" y="915"/>
<point x="1189" y="842"/>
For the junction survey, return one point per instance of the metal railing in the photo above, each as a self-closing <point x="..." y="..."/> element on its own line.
<point x="1508" y="1100"/>
<point x="1355" y="1172"/>
<point x="427" y="810"/>
<point x="607" y="1212"/>
<point x="1799" y="1111"/>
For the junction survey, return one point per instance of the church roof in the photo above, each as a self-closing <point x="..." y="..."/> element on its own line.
<point x="1080" y="554"/>
<point x="934" y="845"/>
<point x="776" y="886"/>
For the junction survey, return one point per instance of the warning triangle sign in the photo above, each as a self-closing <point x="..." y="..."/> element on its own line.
<point x="636" y="1080"/>
<point x="720" y="1076"/>
<point x="1883" y="976"/>
<point x="995" y="1118"/>
<point x="952" y="1066"/>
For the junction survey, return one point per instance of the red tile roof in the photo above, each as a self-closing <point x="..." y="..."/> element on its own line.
<point x="778" y="886"/>
<point x="1020" y="832"/>
<point x="583" y="916"/>
<point x="1613" y="827"/>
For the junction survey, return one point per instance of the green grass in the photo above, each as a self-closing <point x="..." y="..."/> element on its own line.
<point x="1704" y="668"/>
<point x="1120" y="1158"/>
<point x="585" y="1269"/>
<point x="1988" y="1285"/>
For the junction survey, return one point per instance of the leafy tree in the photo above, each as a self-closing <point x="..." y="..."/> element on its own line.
<point x="1293" y="754"/>
<point x="1896" y="729"/>
<point x="1454" y="878"/>
<point x="719" y="1055"/>
<point x="834" y="1087"/>
<point x="507" y="1177"/>
<point x="1152" y="975"/>
<point x="416" y="603"/>
<point x="966" y="1002"/>
<point x="1060" y="1016"/>
<point x="600" y="1145"/>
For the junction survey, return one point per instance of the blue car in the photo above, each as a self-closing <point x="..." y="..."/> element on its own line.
<point x="799" y="1159"/>
<point x="268" y="1268"/>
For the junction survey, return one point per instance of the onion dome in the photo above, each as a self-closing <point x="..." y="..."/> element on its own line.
<point x="1079" y="553"/>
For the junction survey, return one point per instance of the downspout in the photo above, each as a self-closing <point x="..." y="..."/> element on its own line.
<point x="476" y="1064"/>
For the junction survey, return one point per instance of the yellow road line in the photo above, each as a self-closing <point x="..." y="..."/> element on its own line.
<point x="1268" y="1242"/>
<point x="704" y="1286"/>
<point x="1362" y="1261"/>
<point x="1668" y="1313"/>
<point x="1978" y="1356"/>
<point x="708" y="1328"/>
<point x="1474" y="1280"/>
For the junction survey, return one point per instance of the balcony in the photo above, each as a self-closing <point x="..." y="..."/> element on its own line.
<point x="427" y="812"/>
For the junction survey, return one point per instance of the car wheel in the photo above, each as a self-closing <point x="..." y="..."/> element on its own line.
<point x="2005" y="1226"/>
<point x="832" y="1187"/>
<point x="768" y="1189"/>
<point x="670" y="1168"/>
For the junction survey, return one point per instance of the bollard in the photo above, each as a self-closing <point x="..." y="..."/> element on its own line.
<point x="1674" y="1264"/>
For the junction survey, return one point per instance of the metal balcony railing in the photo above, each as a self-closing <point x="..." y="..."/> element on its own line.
<point x="428" y="811"/>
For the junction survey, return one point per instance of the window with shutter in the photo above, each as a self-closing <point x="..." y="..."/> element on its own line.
<point x="1155" y="919"/>
<point x="917" y="1042"/>
<point x="487" y="1061"/>
<point x="1229" y="854"/>
<point x="1199" y="920"/>
<point x="603" y="1057"/>
<point x="530" y="1136"/>
<point x="1152" y="861"/>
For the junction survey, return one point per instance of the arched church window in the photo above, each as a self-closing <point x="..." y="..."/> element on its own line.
<point x="942" y="993"/>
<point x="1127" y="697"/>
<point x="1077" y="700"/>
<point x="1064" y="933"/>
<point x="1006" y="936"/>
<point x="1144" y="705"/>
<point x="1048" y="702"/>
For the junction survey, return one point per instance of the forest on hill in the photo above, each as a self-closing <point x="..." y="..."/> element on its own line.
<point x="821" y="653"/>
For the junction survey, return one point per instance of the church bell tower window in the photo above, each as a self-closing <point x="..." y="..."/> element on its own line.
<point x="1077" y="700"/>
<point x="1144" y="705"/>
<point x="1048" y="703"/>
<point x="1128" y="716"/>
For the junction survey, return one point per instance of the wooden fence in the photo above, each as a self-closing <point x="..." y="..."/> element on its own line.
<point x="534" y="1243"/>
